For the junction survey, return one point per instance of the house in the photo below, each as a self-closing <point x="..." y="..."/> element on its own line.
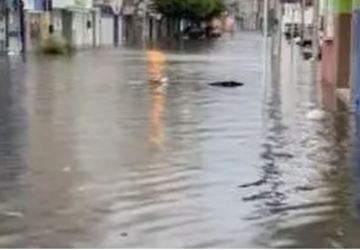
<point x="109" y="22"/>
<point x="134" y="14"/>
<point x="36" y="22"/>
<point x="12" y="21"/>
<point x="74" y="21"/>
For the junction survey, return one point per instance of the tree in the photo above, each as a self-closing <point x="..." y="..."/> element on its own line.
<point x="193" y="10"/>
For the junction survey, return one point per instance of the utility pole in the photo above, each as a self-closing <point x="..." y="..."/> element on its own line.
<point x="302" y="28"/>
<point x="266" y="19"/>
<point x="3" y="28"/>
<point x="265" y="27"/>
<point x="315" y="33"/>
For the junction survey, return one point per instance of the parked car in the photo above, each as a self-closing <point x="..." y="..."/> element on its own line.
<point x="212" y="32"/>
<point x="194" y="32"/>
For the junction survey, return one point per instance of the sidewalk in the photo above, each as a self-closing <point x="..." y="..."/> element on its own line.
<point x="297" y="75"/>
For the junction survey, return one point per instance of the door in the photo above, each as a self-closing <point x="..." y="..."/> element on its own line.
<point x="107" y="30"/>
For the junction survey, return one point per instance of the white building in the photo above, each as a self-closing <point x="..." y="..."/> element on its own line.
<point x="109" y="22"/>
<point x="292" y="14"/>
<point x="248" y="14"/>
<point x="75" y="21"/>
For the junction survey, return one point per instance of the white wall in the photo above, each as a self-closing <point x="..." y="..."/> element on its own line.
<point x="248" y="11"/>
<point x="82" y="35"/>
<point x="293" y="14"/>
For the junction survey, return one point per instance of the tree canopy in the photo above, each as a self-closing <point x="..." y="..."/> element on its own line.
<point x="195" y="10"/>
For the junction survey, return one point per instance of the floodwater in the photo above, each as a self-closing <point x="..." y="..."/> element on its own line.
<point x="94" y="153"/>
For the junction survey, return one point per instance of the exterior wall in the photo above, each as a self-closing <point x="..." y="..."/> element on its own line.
<point x="82" y="34"/>
<point x="336" y="47"/>
<point x="292" y="14"/>
<point x="356" y="58"/>
<point x="14" y="30"/>
<point x="342" y="43"/>
<point x="247" y="16"/>
<point x="33" y="28"/>
<point x="74" y="21"/>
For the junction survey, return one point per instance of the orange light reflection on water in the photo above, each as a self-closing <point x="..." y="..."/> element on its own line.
<point x="156" y="62"/>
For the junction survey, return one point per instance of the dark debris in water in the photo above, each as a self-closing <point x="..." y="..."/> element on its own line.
<point x="305" y="188"/>
<point x="256" y="183"/>
<point x="227" y="84"/>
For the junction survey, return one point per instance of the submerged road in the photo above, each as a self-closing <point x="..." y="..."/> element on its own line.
<point x="95" y="153"/>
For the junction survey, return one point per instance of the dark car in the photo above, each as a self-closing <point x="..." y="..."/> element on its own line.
<point x="212" y="32"/>
<point x="194" y="32"/>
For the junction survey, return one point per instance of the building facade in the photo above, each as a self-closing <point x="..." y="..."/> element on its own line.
<point x="12" y="20"/>
<point x="338" y="57"/>
<point x="248" y="14"/>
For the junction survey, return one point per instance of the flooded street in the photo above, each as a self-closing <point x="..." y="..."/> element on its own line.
<point x="93" y="153"/>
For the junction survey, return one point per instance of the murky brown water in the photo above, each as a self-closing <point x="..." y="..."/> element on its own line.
<point x="93" y="155"/>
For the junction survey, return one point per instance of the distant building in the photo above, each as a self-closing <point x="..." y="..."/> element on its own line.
<point x="248" y="13"/>
<point x="12" y="26"/>
<point x="109" y="22"/>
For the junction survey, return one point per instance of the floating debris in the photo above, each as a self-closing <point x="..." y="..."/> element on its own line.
<point x="256" y="183"/>
<point x="227" y="84"/>
<point x="316" y="114"/>
<point x="12" y="214"/>
<point x="305" y="188"/>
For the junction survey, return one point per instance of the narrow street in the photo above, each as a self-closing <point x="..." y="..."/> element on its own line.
<point x="93" y="154"/>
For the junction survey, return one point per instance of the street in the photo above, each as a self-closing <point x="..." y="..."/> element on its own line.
<point x="95" y="153"/>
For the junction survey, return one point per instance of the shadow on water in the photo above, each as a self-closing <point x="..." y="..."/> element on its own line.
<point x="13" y="142"/>
<point x="13" y="121"/>
<point x="330" y="218"/>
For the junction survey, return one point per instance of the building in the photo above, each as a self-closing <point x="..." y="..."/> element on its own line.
<point x="142" y="22"/>
<point x="74" y="21"/>
<point x="12" y="37"/>
<point x="109" y="22"/>
<point x="295" y="13"/>
<point x="36" y="23"/>
<point x="338" y="58"/>
<point x="248" y="14"/>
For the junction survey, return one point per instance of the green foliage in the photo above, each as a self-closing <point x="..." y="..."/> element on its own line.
<point x="195" y="10"/>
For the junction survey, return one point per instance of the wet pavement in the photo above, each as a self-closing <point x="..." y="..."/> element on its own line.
<point x="95" y="153"/>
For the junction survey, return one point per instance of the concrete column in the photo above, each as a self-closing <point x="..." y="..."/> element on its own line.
<point x="336" y="47"/>
<point x="342" y="42"/>
<point x="336" y="51"/>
